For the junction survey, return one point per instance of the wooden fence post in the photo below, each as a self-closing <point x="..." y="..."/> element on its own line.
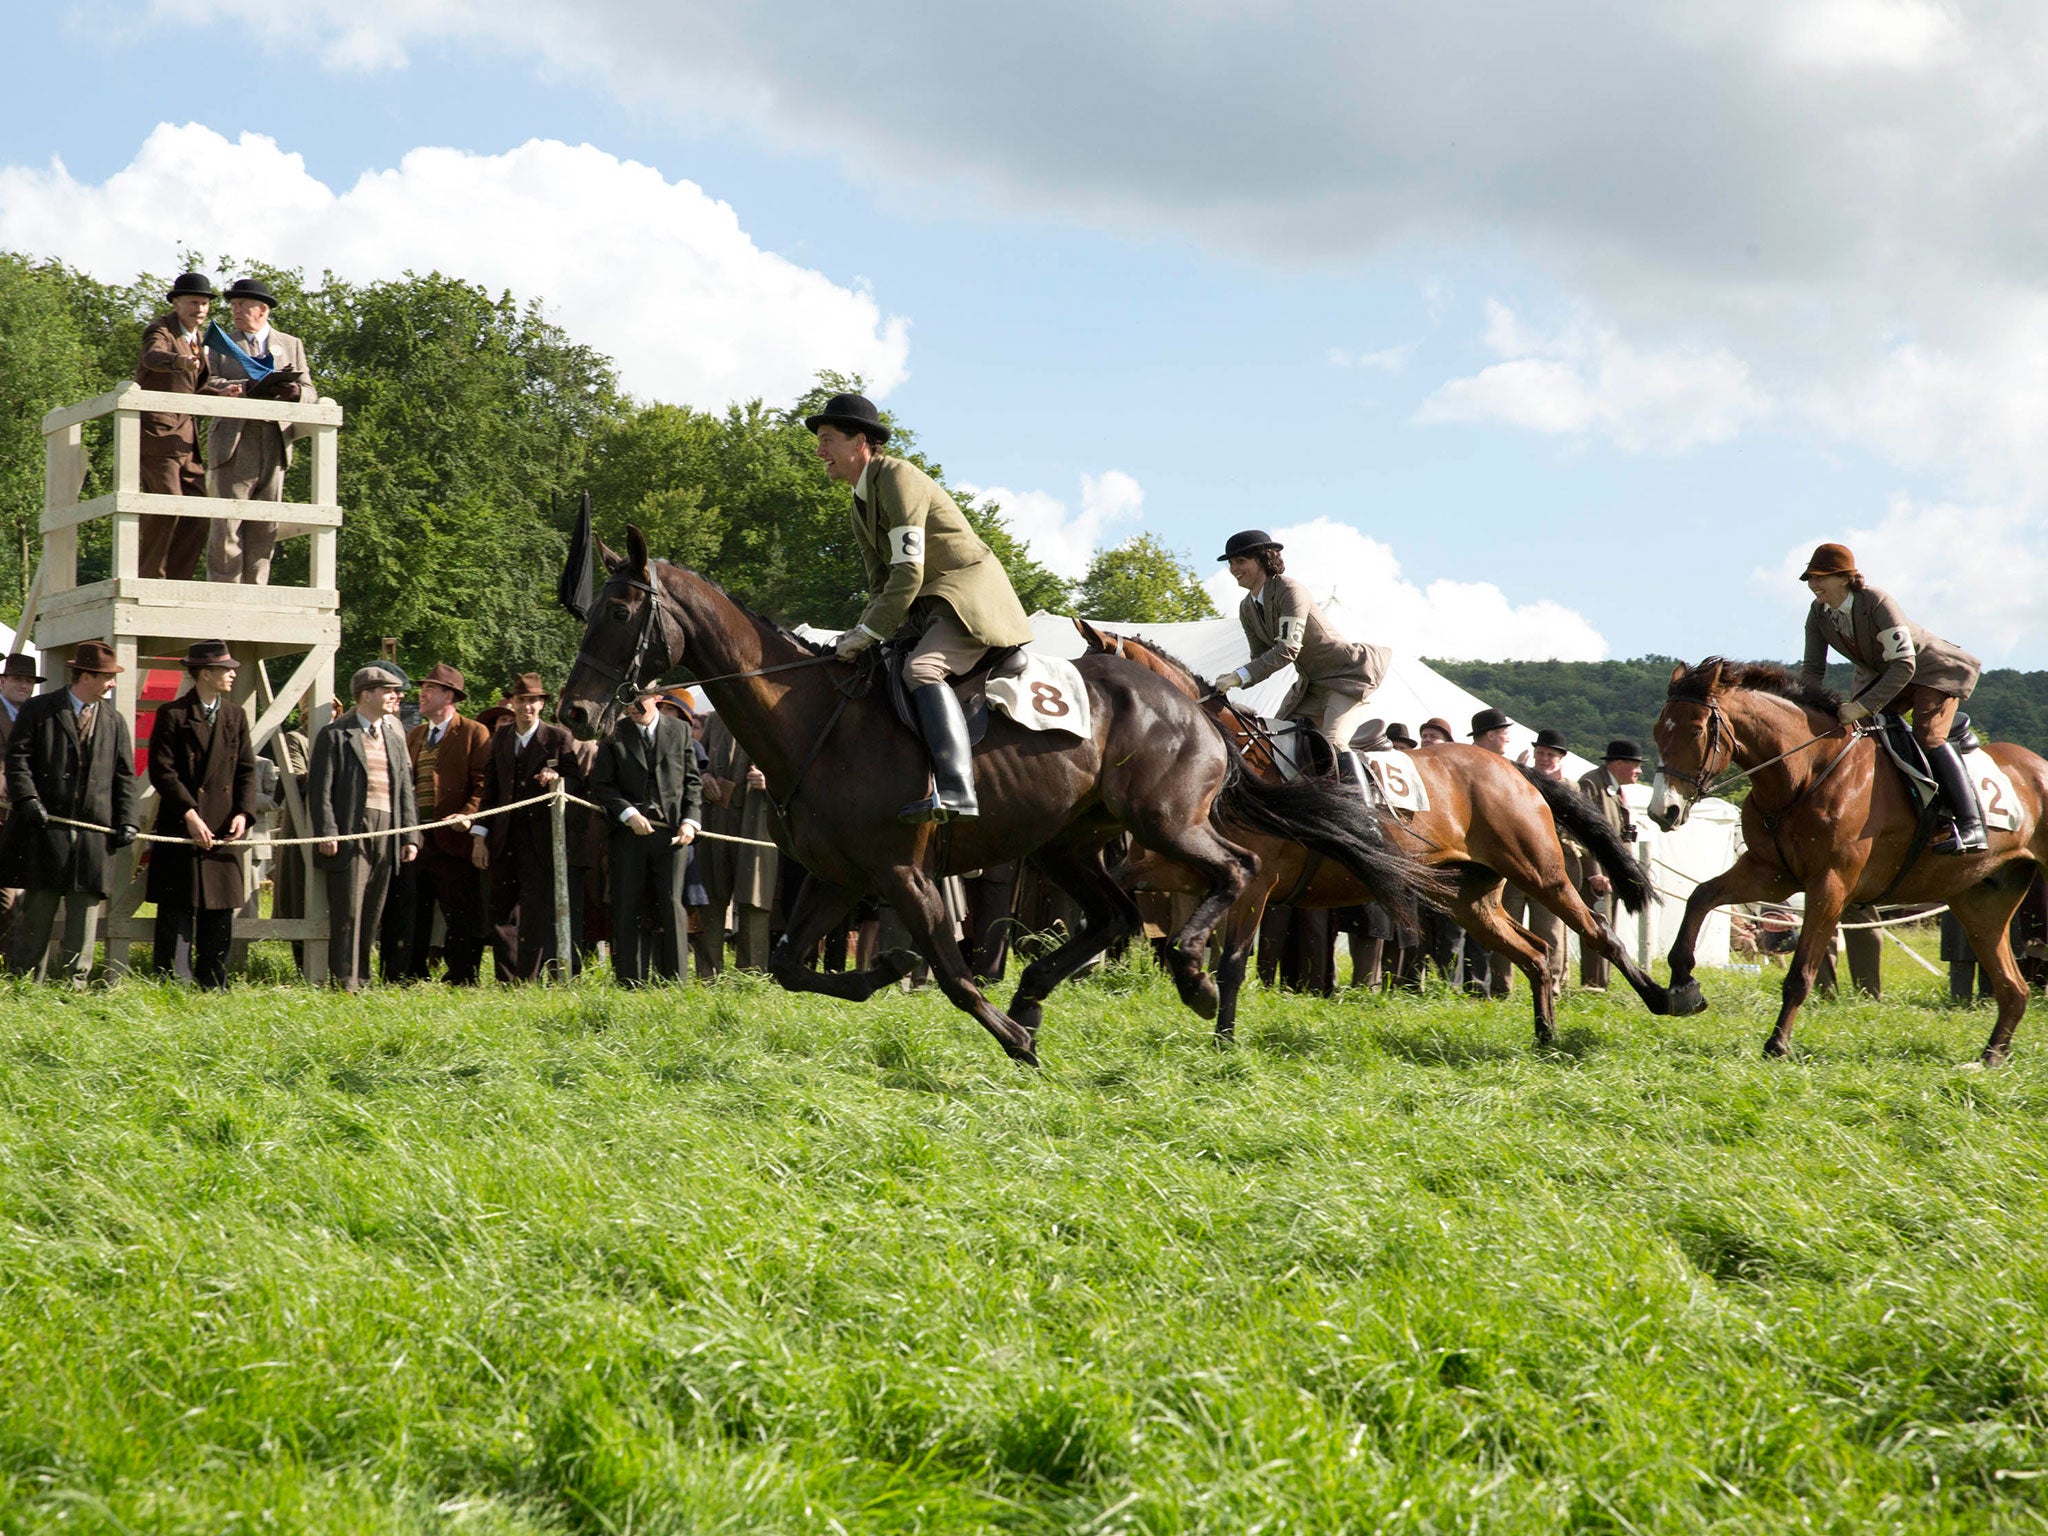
<point x="558" y="820"/>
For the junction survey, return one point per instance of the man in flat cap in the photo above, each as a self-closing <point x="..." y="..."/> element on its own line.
<point x="450" y="756"/>
<point x="247" y="460"/>
<point x="527" y="756"/>
<point x="70" y="756"/>
<point x="173" y="361"/>
<point x="204" y="773"/>
<point x="1620" y="765"/>
<point x="361" y="782"/>
<point x="928" y="569"/>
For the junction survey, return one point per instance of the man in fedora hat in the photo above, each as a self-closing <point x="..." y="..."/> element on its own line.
<point x="1282" y="626"/>
<point x="927" y="569"/>
<point x="647" y="780"/>
<point x="1899" y="668"/>
<point x="1621" y="764"/>
<point x="204" y="773"/>
<point x="361" y="782"/>
<point x="71" y="756"/>
<point x="1434" y="730"/>
<point x="450" y="756"/>
<point x="527" y="756"/>
<point x="247" y="460"/>
<point x="173" y="361"/>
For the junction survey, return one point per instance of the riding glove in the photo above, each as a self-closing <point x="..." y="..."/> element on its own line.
<point x="853" y="642"/>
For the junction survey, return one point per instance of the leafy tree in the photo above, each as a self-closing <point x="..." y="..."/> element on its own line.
<point x="45" y="362"/>
<point x="1141" y="581"/>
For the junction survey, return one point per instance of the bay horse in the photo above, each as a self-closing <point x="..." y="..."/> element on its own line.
<point x="1825" y="816"/>
<point x="839" y="765"/>
<point x="1488" y="821"/>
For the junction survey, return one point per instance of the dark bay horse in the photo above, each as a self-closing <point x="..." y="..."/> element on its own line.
<point x="1826" y="817"/>
<point x="1487" y="821"/>
<point x="839" y="765"/>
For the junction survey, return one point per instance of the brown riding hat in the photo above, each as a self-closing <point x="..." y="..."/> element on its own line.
<point x="93" y="656"/>
<point x="1830" y="560"/>
<point x="21" y="664"/>
<point x="447" y="677"/>
<point x="527" y="685"/>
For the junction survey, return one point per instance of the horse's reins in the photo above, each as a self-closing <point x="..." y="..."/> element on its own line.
<point x="1733" y="774"/>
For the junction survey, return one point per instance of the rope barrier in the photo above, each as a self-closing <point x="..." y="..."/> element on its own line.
<point x="1920" y="916"/>
<point x="358" y="837"/>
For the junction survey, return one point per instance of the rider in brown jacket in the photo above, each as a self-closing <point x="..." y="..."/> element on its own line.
<point x="1897" y="663"/>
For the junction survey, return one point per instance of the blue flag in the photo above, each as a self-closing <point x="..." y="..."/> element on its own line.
<point x="218" y="340"/>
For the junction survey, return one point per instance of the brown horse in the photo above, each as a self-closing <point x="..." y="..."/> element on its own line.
<point x="1488" y="820"/>
<point x="1826" y="817"/>
<point x="839" y="766"/>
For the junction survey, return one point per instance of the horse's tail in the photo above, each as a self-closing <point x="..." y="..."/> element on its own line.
<point x="1577" y="815"/>
<point x="1328" y="817"/>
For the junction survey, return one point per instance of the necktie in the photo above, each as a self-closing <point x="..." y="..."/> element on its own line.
<point x="434" y="736"/>
<point x="85" y="722"/>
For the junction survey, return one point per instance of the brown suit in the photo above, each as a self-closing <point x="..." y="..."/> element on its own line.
<point x="522" y="848"/>
<point x="171" y="466"/>
<point x="1899" y="666"/>
<point x="446" y="879"/>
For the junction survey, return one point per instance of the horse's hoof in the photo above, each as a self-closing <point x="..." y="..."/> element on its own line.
<point x="1029" y="1012"/>
<point x="1658" y="1001"/>
<point x="1023" y="1053"/>
<point x="1203" y="998"/>
<point x="1686" y="999"/>
<point x="1226" y="1035"/>
<point x="1774" y="1051"/>
<point x="1546" y="1039"/>
<point x="898" y="963"/>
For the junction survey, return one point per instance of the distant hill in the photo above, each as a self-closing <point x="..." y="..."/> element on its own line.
<point x="1594" y="701"/>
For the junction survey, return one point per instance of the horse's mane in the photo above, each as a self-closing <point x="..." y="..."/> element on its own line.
<point x="1168" y="657"/>
<point x="813" y="647"/>
<point x="1717" y="674"/>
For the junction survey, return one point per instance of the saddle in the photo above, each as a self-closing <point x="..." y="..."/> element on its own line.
<point x="971" y="687"/>
<point x="1895" y="734"/>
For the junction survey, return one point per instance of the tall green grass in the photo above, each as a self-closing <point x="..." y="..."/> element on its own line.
<point x="731" y="1260"/>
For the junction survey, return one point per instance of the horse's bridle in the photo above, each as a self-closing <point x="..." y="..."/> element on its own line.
<point x="1710" y="781"/>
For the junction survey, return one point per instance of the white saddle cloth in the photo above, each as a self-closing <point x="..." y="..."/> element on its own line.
<point x="1994" y="790"/>
<point x="1048" y="695"/>
<point x="1399" y="779"/>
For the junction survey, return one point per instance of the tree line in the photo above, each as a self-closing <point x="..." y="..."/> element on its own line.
<point x="1594" y="701"/>
<point x="472" y="425"/>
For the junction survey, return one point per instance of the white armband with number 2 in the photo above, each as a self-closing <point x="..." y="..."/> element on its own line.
<point x="1896" y="644"/>
<point x="906" y="546"/>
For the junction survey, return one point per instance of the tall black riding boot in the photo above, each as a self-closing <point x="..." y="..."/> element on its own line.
<point x="945" y="735"/>
<point x="1352" y="771"/>
<point x="1961" y="795"/>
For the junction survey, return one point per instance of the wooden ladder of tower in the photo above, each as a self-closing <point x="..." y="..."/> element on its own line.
<point x="151" y="623"/>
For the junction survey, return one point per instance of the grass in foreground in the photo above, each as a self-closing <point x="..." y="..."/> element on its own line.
<point x="729" y="1260"/>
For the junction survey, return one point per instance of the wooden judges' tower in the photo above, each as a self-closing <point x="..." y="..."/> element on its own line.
<point x="271" y="629"/>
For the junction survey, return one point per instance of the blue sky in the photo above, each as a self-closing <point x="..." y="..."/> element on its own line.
<point x="1608" y="398"/>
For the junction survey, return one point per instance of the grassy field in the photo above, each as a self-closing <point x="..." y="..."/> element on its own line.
<point x="727" y="1260"/>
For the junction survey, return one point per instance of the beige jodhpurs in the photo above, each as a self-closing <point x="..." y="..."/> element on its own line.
<point x="1342" y="716"/>
<point x="944" y="648"/>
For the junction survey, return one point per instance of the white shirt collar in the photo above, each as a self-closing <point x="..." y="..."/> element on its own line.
<point x="366" y="722"/>
<point x="1848" y="602"/>
<point x="523" y="740"/>
<point x="259" y="341"/>
<point x="860" y="486"/>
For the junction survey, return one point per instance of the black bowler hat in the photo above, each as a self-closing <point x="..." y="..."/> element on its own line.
<point x="1553" y="740"/>
<point x="1489" y="720"/>
<point x="192" y="285"/>
<point x="1397" y="733"/>
<point x="1250" y="542"/>
<point x="1622" y="750"/>
<point x="853" y="413"/>
<point x="250" y="288"/>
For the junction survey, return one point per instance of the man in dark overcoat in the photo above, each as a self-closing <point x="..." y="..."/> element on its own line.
<point x="204" y="773"/>
<point x="646" y="779"/>
<point x="450" y="755"/>
<point x="361" y="782"/>
<point x="18" y="682"/>
<point x="70" y="755"/>
<point x="528" y="755"/>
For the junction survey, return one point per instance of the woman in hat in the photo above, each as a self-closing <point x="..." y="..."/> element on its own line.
<point x="928" y="569"/>
<point x="1283" y="626"/>
<point x="1899" y="666"/>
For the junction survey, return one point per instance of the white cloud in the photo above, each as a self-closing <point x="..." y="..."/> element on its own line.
<point x="1064" y="541"/>
<point x="1385" y="360"/>
<point x="1584" y="378"/>
<point x="654" y="273"/>
<point x="1975" y="575"/>
<point x="1457" y="620"/>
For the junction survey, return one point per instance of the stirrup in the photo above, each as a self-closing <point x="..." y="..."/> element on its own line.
<point x="1953" y="845"/>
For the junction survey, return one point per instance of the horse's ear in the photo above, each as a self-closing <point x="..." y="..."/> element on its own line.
<point x="613" y="560"/>
<point x="1096" y="644"/>
<point x="1713" y="671"/>
<point x="636" y="549"/>
<point x="1677" y="675"/>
